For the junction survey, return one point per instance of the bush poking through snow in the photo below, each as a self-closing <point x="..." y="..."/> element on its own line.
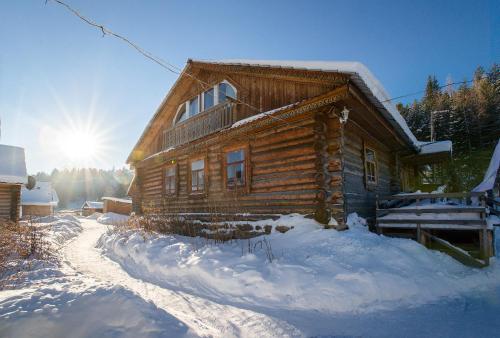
<point x="24" y="240"/>
<point x="31" y="243"/>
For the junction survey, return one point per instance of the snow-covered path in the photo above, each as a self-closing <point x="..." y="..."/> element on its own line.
<point x="203" y="317"/>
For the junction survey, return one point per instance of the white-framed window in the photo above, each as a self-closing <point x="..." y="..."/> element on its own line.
<point x="198" y="175"/>
<point x="182" y="113"/>
<point x="225" y="90"/>
<point x="216" y="95"/>
<point x="170" y="180"/>
<point x="194" y="106"/>
<point x="209" y="99"/>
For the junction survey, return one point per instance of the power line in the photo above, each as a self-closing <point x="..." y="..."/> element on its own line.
<point x="440" y="87"/>
<point x="176" y="70"/>
<point x="167" y="65"/>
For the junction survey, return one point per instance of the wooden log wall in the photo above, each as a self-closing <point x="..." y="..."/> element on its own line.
<point x="260" y="92"/>
<point x="359" y="196"/>
<point x="282" y="175"/>
<point x="10" y="196"/>
<point x="117" y="207"/>
<point x="334" y="161"/>
<point x="36" y="210"/>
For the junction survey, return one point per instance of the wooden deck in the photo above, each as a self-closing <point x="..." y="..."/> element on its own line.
<point x="410" y="215"/>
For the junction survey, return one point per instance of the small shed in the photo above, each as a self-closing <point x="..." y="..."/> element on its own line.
<point x="90" y="207"/>
<point x="12" y="176"/>
<point x="39" y="201"/>
<point x="117" y="205"/>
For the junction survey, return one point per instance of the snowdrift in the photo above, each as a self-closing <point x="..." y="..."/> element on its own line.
<point x="314" y="269"/>
<point x="61" y="228"/>
<point x="110" y="218"/>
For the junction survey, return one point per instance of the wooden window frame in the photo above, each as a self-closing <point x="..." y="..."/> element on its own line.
<point x="201" y="101"/>
<point x="203" y="192"/>
<point x="246" y="166"/>
<point x="370" y="184"/>
<point x="176" y="177"/>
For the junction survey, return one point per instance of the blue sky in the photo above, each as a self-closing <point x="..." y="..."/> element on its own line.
<point x="56" y="71"/>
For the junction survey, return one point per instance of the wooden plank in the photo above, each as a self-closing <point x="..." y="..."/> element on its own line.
<point x="429" y="210"/>
<point x="460" y="255"/>
<point x="432" y="196"/>
<point x="432" y="221"/>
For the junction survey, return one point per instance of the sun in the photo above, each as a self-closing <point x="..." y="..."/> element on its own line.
<point x="78" y="145"/>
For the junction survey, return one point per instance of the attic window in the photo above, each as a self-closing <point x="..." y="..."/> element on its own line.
<point x="215" y="95"/>
<point x="208" y="99"/>
<point x="182" y="113"/>
<point x="194" y="106"/>
<point x="225" y="91"/>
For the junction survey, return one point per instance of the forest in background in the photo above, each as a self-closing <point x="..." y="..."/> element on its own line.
<point x="74" y="186"/>
<point x="468" y="115"/>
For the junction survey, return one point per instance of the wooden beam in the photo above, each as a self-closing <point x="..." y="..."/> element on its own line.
<point x="460" y="255"/>
<point x="457" y="222"/>
<point x="356" y="94"/>
<point x="430" y="210"/>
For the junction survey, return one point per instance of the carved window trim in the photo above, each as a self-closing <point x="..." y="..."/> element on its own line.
<point x="166" y="191"/>
<point x="245" y="187"/>
<point x="205" y="176"/>
<point x="371" y="167"/>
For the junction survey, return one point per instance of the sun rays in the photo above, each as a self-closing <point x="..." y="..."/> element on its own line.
<point x="78" y="139"/>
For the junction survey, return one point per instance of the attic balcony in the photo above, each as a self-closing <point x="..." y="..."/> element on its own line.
<point x="205" y="123"/>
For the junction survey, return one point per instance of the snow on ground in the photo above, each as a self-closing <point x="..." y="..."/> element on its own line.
<point x="321" y="283"/>
<point x="60" y="228"/>
<point x="315" y="269"/>
<point x="74" y="306"/>
<point x="95" y="215"/>
<point x="50" y="299"/>
<point x="111" y="218"/>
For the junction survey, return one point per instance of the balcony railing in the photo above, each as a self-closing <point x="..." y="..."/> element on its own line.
<point x="203" y="124"/>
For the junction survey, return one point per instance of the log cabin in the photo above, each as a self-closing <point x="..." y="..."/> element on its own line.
<point x="259" y="138"/>
<point x="39" y="201"/>
<point x="91" y="207"/>
<point x="117" y="205"/>
<point x="12" y="177"/>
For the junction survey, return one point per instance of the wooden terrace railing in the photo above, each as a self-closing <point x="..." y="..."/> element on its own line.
<point x="423" y="218"/>
<point x="203" y="124"/>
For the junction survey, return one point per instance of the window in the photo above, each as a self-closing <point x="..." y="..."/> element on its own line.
<point x="235" y="168"/>
<point x="431" y="174"/>
<point x="208" y="99"/>
<point x="170" y="181"/>
<point x="194" y="106"/>
<point x="198" y="175"/>
<point x="370" y="166"/>
<point x="225" y="91"/>
<point x="181" y="113"/>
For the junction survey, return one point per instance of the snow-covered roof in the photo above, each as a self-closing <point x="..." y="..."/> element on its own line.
<point x="115" y="199"/>
<point x="492" y="172"/>
<point x="427" y="148"/>
<point x="360" y="75"/>
<point x="262" y="115"/>
<point x="93" y="205"/>
<point x="12" y="165"/>
<point x="41" y="194"/>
